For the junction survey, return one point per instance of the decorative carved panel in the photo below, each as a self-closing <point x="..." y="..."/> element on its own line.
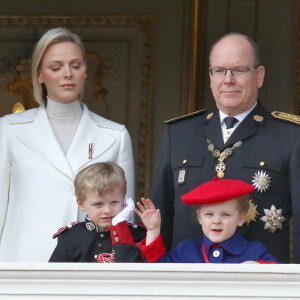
<point x="295" y="95"/>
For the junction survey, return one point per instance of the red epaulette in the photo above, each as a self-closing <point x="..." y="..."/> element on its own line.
<point x="64" y="228"/>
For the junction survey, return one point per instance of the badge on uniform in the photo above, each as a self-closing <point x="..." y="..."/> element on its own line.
<point x="181" y="176"/>
<point x="90" y="151"/>
<point x="252" y="213"/>
<point x="90" y="226"/>
<point x="105" y="258"/>
<point x="273" y="219"/>
<point x="261" y="181"/>
<point x="209" y="116"/>
<point x="258" y="118"/>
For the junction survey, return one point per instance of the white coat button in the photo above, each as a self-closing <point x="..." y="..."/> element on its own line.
<point x="116" y="239"/>
<point x="114" y="233"/>
<point x="216" y="253"/>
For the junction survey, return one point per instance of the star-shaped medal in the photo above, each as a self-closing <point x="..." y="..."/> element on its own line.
<point x="261" y="181"/>
<point x="273" y="219"/>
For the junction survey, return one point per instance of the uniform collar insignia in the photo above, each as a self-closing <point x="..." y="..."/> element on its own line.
<point x="90" y="225"/>
<point x="258" y="118"/>
<point x="209" y="116"/>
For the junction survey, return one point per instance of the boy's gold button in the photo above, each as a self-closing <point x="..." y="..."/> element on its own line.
<point x="184" y="161"/>
<point x="262" y="163"/>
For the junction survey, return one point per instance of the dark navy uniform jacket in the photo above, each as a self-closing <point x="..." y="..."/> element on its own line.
<point x="80" y="244"/>
<point x="234" y="250"/>
<point x="269" y="145"/>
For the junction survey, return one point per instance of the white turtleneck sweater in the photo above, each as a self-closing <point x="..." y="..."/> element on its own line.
<point x="64" y="119"/>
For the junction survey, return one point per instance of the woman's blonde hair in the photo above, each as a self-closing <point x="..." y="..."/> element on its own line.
<point x="104" y="177"/>
<point x="49" y="38"/>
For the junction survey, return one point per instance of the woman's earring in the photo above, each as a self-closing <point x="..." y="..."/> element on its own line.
<point x="85" y="76"/>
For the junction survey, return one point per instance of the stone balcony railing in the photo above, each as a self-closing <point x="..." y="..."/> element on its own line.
<point x="148" y="281"/>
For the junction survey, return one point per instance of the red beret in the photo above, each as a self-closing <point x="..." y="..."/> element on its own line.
<point x="216" y="191"/>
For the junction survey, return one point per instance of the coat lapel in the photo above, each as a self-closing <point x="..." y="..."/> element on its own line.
<point x="40" y="139"/>
<point x="88" y="132"/>
<point x="213" y="130"/>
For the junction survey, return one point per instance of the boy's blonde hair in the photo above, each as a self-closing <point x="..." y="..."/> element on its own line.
<point x="104" y="177"/>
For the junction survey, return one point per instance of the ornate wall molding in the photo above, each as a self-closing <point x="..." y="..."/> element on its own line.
<point x="199" y="55"/>
<point x="295" y="84"/>
<point x="145" y="26"/>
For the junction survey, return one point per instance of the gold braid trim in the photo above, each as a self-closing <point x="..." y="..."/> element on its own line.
<point x="286" y="117"/>
<point x="198" y="112"/>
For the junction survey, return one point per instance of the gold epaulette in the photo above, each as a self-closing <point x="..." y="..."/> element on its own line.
<point x="195" y="113"/>
<point x="286" y="117"/>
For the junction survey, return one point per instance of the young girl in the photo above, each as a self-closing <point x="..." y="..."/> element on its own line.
<point x="221" y="207"/>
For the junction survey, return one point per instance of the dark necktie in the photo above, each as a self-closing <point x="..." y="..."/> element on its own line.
<point x="230" y="121"/>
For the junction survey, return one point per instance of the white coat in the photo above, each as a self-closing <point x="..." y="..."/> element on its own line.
<point x="36" y="177"/>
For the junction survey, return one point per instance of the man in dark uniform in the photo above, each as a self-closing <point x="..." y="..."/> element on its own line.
<point x="255" y="146"/>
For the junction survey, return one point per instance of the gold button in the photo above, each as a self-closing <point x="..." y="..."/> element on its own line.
<point x="184" y="161"/>
<point x="262" y="163"/>
<point x="116" y="239"/>
<point x="228" y="132"/>
<point x="227" y="137"/>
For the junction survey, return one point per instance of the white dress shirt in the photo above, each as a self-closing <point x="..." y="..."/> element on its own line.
<point x="240" y="117"/>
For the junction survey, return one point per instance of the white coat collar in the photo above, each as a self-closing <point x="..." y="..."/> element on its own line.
<point x="39" y="137"/>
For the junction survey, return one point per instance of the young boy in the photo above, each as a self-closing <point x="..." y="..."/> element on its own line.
<point x="221" y="207"/>
<point x="105" y="236"/>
